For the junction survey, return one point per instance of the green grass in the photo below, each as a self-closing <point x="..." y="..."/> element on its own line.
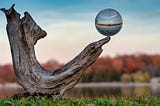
<point x="107" y="101"/>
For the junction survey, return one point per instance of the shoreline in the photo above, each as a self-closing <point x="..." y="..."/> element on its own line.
<point x="95" y="84"/>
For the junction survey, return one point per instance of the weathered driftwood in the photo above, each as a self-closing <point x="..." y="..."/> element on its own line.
<point x="23" y="33"/>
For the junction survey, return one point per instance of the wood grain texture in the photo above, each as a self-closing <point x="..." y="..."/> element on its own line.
<point x="23" y="33"/>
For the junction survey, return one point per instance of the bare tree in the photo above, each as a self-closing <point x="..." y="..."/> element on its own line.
<point x="23" y="33"/>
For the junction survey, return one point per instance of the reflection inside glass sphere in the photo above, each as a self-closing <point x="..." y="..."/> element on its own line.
<point x="108" y="22"/>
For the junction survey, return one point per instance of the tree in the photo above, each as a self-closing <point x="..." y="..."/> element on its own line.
<point x="23" y="34"/>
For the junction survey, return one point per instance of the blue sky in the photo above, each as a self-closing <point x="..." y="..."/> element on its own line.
<point x="70" y="27"/>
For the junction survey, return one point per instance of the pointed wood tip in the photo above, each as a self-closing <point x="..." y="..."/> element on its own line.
<point x="8" y="11"/>
<point x="13" y="6"/>
<point x="102" y="42"/>
<point x="3" y="10"/>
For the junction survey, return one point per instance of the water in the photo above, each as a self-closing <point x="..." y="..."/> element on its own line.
<point x="108" y="30"/>
<point x="7" y="90"/>
<point x="115" y="89"/>
<point x="99" y="90"/>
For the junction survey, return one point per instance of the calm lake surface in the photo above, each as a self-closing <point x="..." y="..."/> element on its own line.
<point x="91" y="90"/>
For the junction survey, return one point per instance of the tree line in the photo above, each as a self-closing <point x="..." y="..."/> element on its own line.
<point x="125" y="68"/>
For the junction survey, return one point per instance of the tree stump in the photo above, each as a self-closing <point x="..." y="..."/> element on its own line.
<point x="23" y="33"/>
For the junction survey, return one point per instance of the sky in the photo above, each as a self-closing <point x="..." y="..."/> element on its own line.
<point x="109" y="16"/>
<point x="70" y="26"/>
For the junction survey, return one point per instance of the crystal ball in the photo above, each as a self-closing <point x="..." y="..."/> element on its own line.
<point x="108" y="22"/>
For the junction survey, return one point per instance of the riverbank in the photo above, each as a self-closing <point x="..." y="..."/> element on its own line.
<point x="95" y="84"/>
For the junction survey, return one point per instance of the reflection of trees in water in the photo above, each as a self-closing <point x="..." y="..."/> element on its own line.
<point x="109" y="91"/>
<point x="136" y="91"/>
<point x="108" y="30"/>
<point x="127" y="91"/>
<point x="9" y="91"/>
<point x="142" y="91"/>
<point x="92" y="92"/>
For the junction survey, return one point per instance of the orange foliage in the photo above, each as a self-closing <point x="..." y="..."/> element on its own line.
<point x="7" y="74"/>
<point x="104" y="65"/>
<point x="52" y="64"/>
<point x="126" y="63"/>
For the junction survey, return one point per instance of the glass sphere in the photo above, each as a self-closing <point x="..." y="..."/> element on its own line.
<point x="108" y="22"/>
